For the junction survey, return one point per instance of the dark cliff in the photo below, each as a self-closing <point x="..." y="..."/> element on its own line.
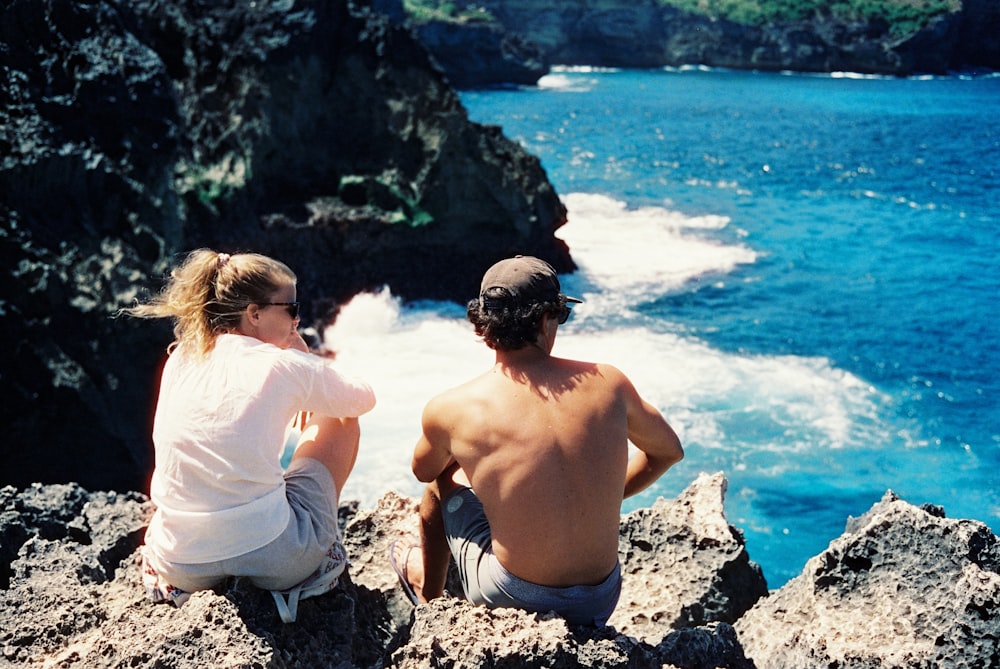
<point x="651" y="33"/>
<point x="131" y="132"/>
<point x="481" y="54"/>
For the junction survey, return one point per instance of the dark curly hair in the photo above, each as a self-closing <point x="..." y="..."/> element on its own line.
<point x="510" y="326"/>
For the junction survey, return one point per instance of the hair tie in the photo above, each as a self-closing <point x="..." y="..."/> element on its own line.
<point x="222" y="261"/>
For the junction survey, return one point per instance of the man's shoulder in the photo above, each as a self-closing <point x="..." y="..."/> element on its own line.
<point x="454" y="406"/>
<point x="601" y="371"/>
<point x="456" y="395"/>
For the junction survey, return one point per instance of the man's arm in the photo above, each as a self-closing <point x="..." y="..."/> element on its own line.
<point x="658" y="444"/>
<point x="432" y="454"/>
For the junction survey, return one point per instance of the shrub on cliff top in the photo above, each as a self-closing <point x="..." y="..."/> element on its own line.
<point x="902" y="16"/>
<point x="422" y="11"/>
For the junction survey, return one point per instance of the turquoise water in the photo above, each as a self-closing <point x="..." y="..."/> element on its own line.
<point x="799" y="271"/>
<point x="872" y="206"/>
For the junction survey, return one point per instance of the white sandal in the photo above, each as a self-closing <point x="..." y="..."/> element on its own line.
<point x="320" y="582"/>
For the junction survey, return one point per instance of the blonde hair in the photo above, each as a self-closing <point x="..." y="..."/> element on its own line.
<point x="208" y="292"/>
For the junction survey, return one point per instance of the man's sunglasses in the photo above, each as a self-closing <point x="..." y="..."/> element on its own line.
<point x="291" y="307"/>
<point x="564" y="314"/>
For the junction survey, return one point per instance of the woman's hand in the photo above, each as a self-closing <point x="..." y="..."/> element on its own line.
<point x="301" y="419"/>
<point x="296" y="342"/>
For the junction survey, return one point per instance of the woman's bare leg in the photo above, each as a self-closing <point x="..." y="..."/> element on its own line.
<point x="334" y="442"/>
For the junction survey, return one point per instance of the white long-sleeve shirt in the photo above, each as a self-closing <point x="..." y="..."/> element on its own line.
<point x="219" y="432"/>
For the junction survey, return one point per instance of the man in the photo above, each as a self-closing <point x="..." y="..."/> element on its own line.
<point x="528" y="463"/>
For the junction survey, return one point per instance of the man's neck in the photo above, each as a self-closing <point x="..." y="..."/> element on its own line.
<point x="529" y="356"/>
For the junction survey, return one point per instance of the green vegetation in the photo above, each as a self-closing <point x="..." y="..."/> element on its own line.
<point x="397" y="202"/>
<point x="212" y="183"/>
<point x="445" y="10"/>
<point x="903" y="16"/>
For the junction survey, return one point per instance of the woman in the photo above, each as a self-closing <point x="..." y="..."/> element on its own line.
<point x="237" y="375"/>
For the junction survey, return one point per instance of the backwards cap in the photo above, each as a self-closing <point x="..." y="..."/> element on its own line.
<point x="528" y="280"/>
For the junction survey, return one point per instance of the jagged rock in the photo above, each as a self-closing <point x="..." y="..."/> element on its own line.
<point x="130" y="132"/>
<point x="367" y="539"/>
<point x="75" y="599"/>
<point x="684" y="565"/>
<point x="452" y="633"/>
<point x="714" y="646"/>
<point x="481" y="54"/>
<point x="473" y="49"/>
<point x="903" y="587"/>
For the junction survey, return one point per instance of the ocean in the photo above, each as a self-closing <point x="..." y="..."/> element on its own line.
<point x="799" y="271"/>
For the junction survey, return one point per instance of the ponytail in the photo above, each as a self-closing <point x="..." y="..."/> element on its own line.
<point x="208" y="292"/>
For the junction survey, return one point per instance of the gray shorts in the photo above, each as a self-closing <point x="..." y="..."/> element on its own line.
<point x="487" y="582"/>
<point x="290" y="558"/>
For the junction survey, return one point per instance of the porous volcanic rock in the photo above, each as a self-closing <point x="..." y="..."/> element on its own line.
<point x="704" y="576"/>
<point x="74" y="598"/>
<point x="902" y="587"/>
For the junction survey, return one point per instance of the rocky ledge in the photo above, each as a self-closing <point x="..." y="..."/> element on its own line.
<point x="903" y="586"/>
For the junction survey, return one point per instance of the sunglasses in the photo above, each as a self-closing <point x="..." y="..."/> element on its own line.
<point x="564" y="314"/>
<point x="291" y="307"/>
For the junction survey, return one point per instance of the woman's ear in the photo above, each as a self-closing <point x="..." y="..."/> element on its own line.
<point x="253" y="313"/>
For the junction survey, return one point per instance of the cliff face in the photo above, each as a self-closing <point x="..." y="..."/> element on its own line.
<point x="904" y="586"/>
<point x="645" y="33"/>
<point x="480" y="54"/>
<point x="317" y="132"/>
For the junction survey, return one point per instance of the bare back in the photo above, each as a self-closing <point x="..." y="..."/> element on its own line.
<point x="543" y="441"/>
<point x="545" y="447"/>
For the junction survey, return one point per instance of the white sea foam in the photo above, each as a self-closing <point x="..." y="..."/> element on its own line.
<point x="628" y="256"/>
<point x="583" y="68"/>
<point x="560" y="81"/>
<point x="857" y="75"/>
<point x="693" y="68"/>
<point x="408" y="355"/>
<point x="735" y="413"/>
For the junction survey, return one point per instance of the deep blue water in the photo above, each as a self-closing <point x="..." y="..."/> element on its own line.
<point x="855" y="346"/>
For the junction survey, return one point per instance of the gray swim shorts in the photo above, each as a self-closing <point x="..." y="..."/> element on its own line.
<point x="293" y="555"/>
<point x="486" y="581"/>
